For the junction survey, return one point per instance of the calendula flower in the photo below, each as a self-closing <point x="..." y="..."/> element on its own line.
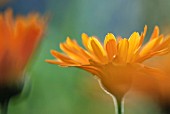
<point x="114" y="62"/>
<point x="19" y="37"/>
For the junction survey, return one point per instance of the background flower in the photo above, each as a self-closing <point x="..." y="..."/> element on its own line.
<point x="18" y="39"/>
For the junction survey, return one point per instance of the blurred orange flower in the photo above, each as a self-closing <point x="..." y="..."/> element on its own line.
<point x="115" y="62"/>
<point x="18" y="38"/>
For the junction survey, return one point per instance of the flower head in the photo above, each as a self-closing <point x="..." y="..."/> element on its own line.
<point x="18" y="38"/>
<point x="115" y="62"/>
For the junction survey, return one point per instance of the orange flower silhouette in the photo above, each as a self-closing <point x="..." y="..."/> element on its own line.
<point x="18" y="38"/>
<point x="115" y="62"/>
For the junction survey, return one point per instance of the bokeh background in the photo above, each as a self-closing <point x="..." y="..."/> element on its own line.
<point x="55" y="90"/>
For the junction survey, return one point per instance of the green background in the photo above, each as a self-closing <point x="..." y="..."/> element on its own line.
<point x="51" y="89"/>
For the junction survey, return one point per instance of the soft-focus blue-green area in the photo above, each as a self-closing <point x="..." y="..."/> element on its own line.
<point x="56" y="90"/>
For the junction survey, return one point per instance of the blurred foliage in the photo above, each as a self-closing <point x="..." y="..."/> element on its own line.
<point x="56" y="90"/>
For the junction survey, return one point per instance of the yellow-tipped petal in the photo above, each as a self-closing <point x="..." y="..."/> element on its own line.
<point x="154" y="53"/>
<point x="97" y="49"/>
<point x="145" y="30"/>
<point x="155" y="33"/>
<point x="134" y="41"/>
<point x="54" y="62"/>
<point x="61" y="63"/>
<point x="73" y="53"/>
<point x="69" y="42"/>
<point x="62" y="57"/>
<point x="143" y="36"/>
<point x="150" y="45"/>
<point x="161" y="52"/>
<point x="164" y="44"/>
<point x="73" y="45"/>
<point x="122" y="50"/>
<point x="85" y="39"/>
<point x="110" y="46"/>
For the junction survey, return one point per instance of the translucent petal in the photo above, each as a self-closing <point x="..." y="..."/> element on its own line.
<point x="134" y="41"/>
<point x="98" y="49"/>
<point x="110" y="46"/>
<point x="155" y="33"/>
<point x="123" y="46"/>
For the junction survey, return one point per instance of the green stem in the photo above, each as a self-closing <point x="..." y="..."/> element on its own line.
<point x="4" y="107"/>
<point x="119" y="105"/>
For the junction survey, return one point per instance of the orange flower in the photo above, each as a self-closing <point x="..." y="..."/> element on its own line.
<point x="18" y="38"/>
<point x="115" y="62"/>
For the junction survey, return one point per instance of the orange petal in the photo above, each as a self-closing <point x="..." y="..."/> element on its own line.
<point x="143" y="36"/>
<point x="110" y="46"/>
<point x="164" y="44"/>
<point x="155" y="33"/>
<point x="150" y="46"/>
<point x="61" y="63"/>
<point x="63" y="57"/>
<point x="73" y="53"/>
<point x="74" y="46"/>
<point x="98" y="49"/>
<point x="123" y="46"/>
<point x="134" y="41"/>
<point x="85" y="39"/>
<point x="91" y="69"/>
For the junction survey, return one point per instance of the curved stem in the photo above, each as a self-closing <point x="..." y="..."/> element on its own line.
<point x="4" y="107"/>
